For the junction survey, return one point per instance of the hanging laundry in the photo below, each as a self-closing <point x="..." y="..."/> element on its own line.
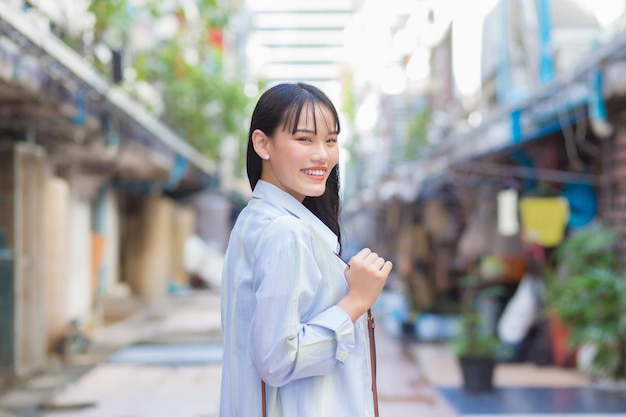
<point x="508" y="223"/>
<point x="544" y="219"/>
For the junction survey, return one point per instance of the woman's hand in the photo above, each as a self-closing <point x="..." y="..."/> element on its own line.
<point x="366" y="275"/>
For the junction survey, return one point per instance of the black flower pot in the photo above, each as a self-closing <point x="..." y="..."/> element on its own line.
<point x="477" y="374"/>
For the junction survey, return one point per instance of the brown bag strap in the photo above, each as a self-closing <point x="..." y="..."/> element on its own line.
<point x="370" y="327"/>
<point x="263" y="401"/>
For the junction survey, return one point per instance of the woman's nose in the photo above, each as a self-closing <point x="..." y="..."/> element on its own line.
<point x="320" y="153"/>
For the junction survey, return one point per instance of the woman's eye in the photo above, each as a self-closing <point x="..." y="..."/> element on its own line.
<point x="303" y="139"/>
<point x="332" y="140"/>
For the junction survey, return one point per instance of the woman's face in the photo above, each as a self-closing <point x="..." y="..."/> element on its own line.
<point x="300" y="163"/>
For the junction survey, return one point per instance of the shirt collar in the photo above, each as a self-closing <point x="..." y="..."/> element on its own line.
<point x="283" y="200"/>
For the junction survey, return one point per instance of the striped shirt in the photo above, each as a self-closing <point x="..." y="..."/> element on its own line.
<point x="280" y="283"/>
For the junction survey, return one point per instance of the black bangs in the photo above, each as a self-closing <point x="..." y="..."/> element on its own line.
<point x="292" y="114"/>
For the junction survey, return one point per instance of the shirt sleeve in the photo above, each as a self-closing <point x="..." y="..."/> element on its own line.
<point x="293" y="334"/>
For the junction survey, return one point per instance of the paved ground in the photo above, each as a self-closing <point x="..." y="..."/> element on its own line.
<point x="150" y="365"/>
<point x="521" y="389"/>
<point x="165" y="362"/>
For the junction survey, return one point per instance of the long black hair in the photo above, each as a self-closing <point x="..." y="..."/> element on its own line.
<point x="280" y="107"/>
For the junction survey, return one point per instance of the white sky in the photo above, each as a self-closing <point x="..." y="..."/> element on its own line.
<point x="466" y="49"/>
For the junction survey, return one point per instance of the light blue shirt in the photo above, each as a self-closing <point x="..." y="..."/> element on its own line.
<point x="280" y="283"/>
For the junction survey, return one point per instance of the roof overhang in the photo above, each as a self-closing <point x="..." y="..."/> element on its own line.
<point x="52" y="96"/>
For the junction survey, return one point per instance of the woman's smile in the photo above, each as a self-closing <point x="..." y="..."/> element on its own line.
<point x="318" y="174"/>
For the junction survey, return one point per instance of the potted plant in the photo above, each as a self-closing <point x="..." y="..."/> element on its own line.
<point x="588" y="294"/>
<point x="477" y="351"/>
<point x="475" y="345"/>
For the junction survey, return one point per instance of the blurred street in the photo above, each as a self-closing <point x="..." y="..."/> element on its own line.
<point x="164" y="361"/>
<point x="483" y="152"/>
<point x="168" y="364"/>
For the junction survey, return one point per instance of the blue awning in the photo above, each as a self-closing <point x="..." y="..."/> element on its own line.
<point x="579" y="94"/>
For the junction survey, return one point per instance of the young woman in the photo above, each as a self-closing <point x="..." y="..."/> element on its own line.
<point x="292" y="311"/>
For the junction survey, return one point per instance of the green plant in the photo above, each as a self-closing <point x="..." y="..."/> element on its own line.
<point x="588" y="248"/>
<point x="589" y="295"/>
<point x="201" y="101"/>
<point x="473" y="341"/>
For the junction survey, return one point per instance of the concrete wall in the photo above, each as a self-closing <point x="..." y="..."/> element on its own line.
<point x="22" y="266"/>
<point x="148" y="248"/>
<point x="56" y="232"/>
<point x="184" y="224"/>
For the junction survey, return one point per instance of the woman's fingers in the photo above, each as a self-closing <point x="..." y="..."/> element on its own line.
<point x="371" y="258"/>
<point x="379" y="263"/>
<point x="368" y="259"/>
<point x="360" y="257"/>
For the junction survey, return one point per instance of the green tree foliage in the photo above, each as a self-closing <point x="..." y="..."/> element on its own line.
<point x="200" y="103"/>
<point x="113" y="20"/>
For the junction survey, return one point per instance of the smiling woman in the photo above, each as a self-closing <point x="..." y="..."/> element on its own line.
<point x="299" y="159"/>
<point x="292" y="312"/>
<point x="281" y="111"/>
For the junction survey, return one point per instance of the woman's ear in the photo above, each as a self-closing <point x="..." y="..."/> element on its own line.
<point x="260" y="143"/>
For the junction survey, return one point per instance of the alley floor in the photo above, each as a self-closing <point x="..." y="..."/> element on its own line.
<point x="164" y="361"/>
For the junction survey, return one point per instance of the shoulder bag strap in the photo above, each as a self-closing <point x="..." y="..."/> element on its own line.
<point x="263" y="401"/>
<point x="370" y="327"/>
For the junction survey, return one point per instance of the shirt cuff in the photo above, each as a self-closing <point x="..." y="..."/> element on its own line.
<point x="337" y="320"/>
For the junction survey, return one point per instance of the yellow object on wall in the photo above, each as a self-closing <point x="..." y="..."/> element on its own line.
<point x="544" y="219"/>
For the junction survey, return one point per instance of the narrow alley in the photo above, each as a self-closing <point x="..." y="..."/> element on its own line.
<point x="164" y="361"/>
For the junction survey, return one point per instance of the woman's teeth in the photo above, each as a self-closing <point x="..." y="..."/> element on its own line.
<point x="317" y="173"/>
